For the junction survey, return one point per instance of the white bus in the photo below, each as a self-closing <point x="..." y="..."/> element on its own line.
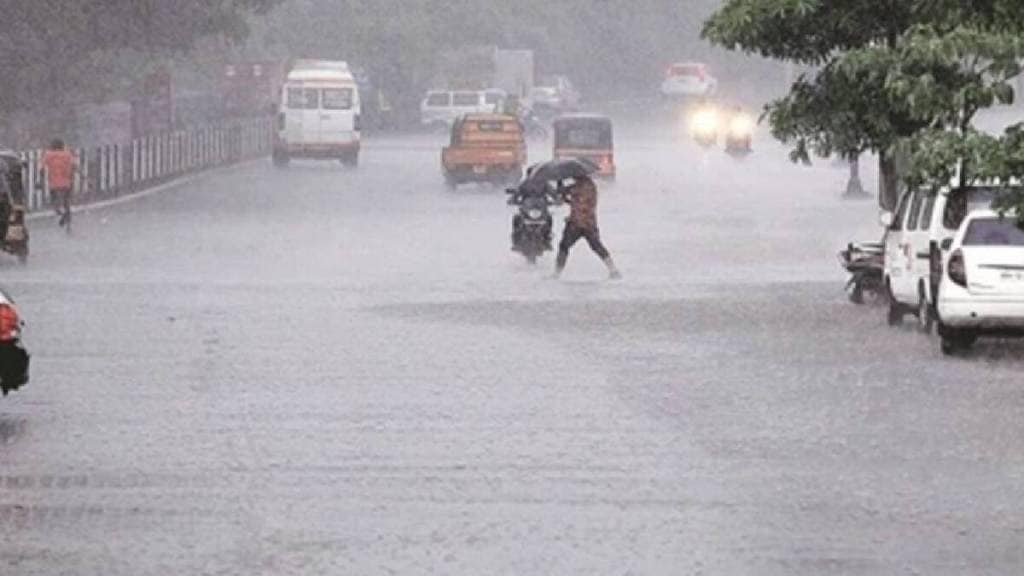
<point x="319" y="115"/>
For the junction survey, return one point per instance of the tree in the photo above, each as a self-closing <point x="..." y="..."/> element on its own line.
<point x="894" y="76"/>
<point x="45" y="42"/>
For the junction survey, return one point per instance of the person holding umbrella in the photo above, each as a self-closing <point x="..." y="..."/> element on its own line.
<point x="582" y="223"/>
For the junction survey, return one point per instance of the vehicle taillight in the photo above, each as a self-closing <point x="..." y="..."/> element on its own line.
<point x="10" y="326"/>
<point x="957" y="269"/>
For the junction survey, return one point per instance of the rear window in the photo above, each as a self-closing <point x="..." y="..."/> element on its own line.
<point x="338" y="98"/>
<point x="439" y="99"/>
<point x="586" y="137"/>
<point x="466" y="99"/>
<point x="494" y="126"/>
<point x="994" y="232"/>
<point x="688" y="70"/>
<point x="303" y="98"/>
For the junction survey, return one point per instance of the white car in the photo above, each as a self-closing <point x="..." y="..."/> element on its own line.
<point x="982" y="290"/>
<point x="688" y="80"/>
<point x="555" y="93"/>
<point x="441" y="108"/>
<point x="916" y="242"/>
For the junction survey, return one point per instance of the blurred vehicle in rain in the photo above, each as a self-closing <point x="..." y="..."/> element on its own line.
<point x="917" y="243"/>
<point x="484" y="148"/>
<point x="13" y="228"/>
<point x="554" y="95"/>
<point x="705" y="124"/>
<point x="739" y="132"/>
<point x="532" y="223"/>
<point x="688" y="80"/>
<point x="319" y="115"/>
<point x="14" y="359"/>
<point x="441" y="108"/>
<point x="865" y="261"/>
<point x="587" y="136"/>
<point x="982" y="291"/>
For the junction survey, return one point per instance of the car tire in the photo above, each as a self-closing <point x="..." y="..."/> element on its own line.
<point x="955" y="342"/>
<point x="925" y="318"/>
<point x="450" y="182"/>
<point x="896" y="312"/>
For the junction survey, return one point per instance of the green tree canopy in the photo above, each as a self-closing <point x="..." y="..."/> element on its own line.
<point x="892" y="75"/>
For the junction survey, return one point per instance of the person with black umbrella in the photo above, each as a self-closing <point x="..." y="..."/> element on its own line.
<point x="582" y="223"/>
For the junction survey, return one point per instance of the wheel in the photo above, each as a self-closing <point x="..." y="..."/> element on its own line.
<point x="895" y="315"/>
<point x="925" y="318"/>
<point x="450" y="182"/>
<point x="857" y="294"/>
<point x="22" y="255"/>
<point x="350" y="160"/>
<point x="955" y="342"/>
<point x="531" y="259"/>
<point x="281" y="159"/>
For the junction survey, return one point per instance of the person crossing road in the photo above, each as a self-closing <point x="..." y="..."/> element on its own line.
<point x="582" y="223"/>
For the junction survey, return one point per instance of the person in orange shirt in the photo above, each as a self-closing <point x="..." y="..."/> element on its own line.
<point x="59" y="168"/>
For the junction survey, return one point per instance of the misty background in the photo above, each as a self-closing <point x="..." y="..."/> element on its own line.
<point x="69" y="70"/>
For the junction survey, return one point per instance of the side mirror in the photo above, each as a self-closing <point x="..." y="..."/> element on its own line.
<point x="947" y="244"/>
<point x="886" y="219"/>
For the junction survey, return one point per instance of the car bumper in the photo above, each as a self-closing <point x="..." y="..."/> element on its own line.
<point x="983" y="314"/>
<point x="318" y="150"/>
<point x="14" y="363"/>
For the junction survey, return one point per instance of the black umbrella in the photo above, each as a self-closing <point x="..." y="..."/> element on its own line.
<point x="558" y="170"/>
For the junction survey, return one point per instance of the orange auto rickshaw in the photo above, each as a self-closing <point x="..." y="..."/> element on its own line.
<point x="586" y="136"/>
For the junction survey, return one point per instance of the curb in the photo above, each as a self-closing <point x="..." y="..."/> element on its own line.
<point x="47" y="213"/>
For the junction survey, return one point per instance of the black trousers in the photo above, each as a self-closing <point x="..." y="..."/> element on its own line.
<point x="572" y="235"/>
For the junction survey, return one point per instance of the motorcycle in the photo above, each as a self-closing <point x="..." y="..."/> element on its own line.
<point x="740" y="135"/>
<point x="865" y="261"/>
<point x="532" y="224"/>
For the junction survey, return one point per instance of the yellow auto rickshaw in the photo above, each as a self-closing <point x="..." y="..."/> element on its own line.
<point x="586" y="136"/>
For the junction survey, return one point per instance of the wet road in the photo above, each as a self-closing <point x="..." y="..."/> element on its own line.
<point x="323" y="371"/>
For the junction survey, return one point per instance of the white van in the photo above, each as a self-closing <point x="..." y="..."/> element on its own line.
<point x="320" y="114"/>
<point x="441" y="108"/>
<point x="917" y="239"/>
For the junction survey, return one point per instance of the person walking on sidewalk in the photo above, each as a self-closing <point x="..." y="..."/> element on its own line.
<point x="582" y="223"/>
<point x="59" y="166"/>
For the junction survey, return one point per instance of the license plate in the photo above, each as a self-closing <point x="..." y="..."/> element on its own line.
<point x="480" y="169"/>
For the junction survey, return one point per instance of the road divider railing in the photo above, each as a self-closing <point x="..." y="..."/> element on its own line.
<point x="110" y="171"/>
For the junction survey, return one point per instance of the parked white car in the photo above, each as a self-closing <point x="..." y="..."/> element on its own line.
<point x="441" y="108"/>
<point x="923" y="224"/>
<point x="688" y="80"/>
<point x="982" y="290"/>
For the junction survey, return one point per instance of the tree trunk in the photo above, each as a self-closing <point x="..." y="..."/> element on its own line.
<point x="854" y="188"/>
<point x="888" y="182"/>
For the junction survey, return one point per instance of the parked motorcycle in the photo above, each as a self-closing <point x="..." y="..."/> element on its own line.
<point x="865" y="261"/>
<point x="532" y="224"/>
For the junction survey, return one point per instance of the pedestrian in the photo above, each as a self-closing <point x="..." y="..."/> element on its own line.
<point x="582" y="223"/>
<point x="59" y="172"/>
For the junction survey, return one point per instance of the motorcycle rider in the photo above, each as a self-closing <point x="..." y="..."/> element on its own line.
<point x="582" y="223"/>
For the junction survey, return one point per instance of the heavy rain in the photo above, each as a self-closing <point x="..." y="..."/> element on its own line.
<point x="302" y="287"/>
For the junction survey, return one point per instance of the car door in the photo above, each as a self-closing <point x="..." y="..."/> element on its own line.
<point x="896" y="242"/>
<point x="337" y="114"/>
<point x="302" y="117"/>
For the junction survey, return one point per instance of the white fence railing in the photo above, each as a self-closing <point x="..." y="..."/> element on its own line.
<point x="106" y="172"/>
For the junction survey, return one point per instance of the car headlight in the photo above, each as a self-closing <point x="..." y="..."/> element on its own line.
<point x="535" y="213"/>
<point x="705" y="122"/>
<point x="741" y="125"/>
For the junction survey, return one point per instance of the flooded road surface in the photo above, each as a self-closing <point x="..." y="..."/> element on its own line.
<point x="325" y="371"/>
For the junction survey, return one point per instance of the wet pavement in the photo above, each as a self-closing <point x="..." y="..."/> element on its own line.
<point x="325" y="371"/>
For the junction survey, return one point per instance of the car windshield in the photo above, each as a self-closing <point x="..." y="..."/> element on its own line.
<point x="994" y="232"/>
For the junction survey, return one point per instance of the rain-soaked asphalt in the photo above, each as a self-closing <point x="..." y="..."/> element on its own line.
<point x="323" y="371"/>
